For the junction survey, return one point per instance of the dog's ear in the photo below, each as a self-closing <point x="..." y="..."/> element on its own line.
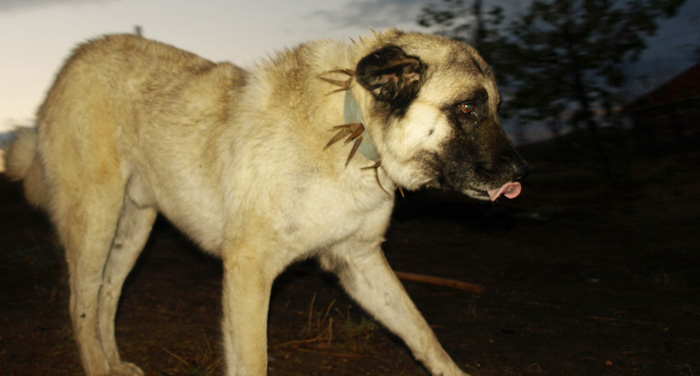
<point x="391" y="75"/>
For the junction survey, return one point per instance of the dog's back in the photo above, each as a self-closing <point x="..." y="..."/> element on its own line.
<point x="101" y="106"/>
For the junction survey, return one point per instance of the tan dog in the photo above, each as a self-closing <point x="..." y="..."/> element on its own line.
<point x="241" y="162"/>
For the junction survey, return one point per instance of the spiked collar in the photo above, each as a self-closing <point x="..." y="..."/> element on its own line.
<point x="353" y="115"/>
<point x="354" y="129"/>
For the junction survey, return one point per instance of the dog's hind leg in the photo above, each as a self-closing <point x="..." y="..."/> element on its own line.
<point x="87" y="205"/>
<point x="86" y="219"/>
<point x="368" y="278"/>
<point x="134" y="226"/>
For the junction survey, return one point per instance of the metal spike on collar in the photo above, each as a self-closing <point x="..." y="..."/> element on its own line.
<point x="344" y="85"/>
<point x="354" y="129"/>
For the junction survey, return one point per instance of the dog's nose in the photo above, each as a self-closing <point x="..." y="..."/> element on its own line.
<point x="514" y="164"/>
<point x="521" y="170"/>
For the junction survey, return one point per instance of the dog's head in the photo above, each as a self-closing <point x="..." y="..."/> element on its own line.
<point x="433" y="113"/>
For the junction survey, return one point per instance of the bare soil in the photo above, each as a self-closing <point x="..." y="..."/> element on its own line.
<point x="579" y="278"/>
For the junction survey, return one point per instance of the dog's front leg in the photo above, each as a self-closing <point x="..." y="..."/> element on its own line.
<point x="246" y="297"/>
<point x="368" y="278"/>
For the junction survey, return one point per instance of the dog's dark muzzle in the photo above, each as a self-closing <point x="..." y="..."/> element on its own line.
<point x="507" y="173"/>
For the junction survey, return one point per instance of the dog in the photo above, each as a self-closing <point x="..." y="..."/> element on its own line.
<point x="298" y="157"/>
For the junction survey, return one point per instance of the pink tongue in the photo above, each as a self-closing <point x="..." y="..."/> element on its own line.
<point x="510" y="190"/>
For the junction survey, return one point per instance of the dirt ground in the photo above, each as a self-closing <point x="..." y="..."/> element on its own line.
<point x="579" y="278"/>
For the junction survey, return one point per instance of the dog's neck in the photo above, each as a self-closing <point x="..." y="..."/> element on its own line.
<point x="354" y="115"/>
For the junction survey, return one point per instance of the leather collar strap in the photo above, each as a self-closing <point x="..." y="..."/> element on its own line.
<point x="353" y="115"/>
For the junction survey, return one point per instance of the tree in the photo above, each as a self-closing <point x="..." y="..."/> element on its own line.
<point x="466" y="23"/>
<point x="568" y="55"/>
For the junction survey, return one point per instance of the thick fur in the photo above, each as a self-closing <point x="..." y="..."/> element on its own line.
<point x="23" y="164"/>
<point x="236" y="160"/>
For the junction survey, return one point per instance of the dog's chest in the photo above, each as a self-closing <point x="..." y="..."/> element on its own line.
<point x="327" y="215"/>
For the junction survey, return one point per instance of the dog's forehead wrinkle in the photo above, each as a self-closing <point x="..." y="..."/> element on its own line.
<point x="446" y="90"/>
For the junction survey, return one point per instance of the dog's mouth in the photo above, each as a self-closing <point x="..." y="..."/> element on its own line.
<point x="509" y="190"/>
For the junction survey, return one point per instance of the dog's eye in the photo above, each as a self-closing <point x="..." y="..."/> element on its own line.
<point x="467" y="107"/>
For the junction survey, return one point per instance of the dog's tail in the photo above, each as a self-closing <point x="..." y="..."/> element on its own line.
<point x="22" y="163"/>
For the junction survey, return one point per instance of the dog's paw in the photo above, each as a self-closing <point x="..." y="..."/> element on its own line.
<point x="126" y="369"/>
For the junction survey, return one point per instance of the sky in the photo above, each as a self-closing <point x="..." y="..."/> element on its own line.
<point x="36" y="36"/>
